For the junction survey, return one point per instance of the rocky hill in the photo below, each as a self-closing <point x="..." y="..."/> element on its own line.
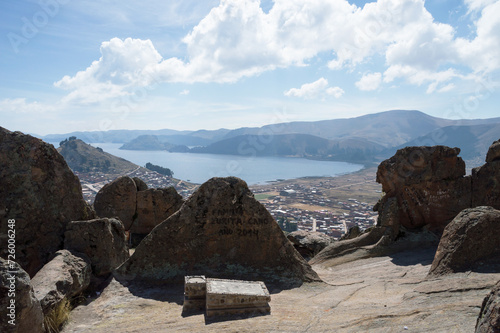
<point x="294" y="145"/>
<point x="83" y="157"/>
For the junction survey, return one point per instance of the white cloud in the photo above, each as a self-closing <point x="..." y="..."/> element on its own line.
<point x="369" y="82"/>
<point x="336" y="92"/>
<point x="20" y="105"/>
<point x="483" y="52"/>
<point x="184" y="92"/>
<point x="476" y="5"/>
<point x="419" y="77"/>
<point x="238" y="39"/>
<point x="124" y="65"/>
<point x="314" y="90"/>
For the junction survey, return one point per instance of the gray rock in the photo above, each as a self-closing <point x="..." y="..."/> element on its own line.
<point x="486" y="185"/>
<point x="118" y="199"/>
<point x="153" y="207"/>
<point x="141" y="185"/>
<point x="489" y="317"/>
<point x="353" y="232"/>
<point x="493" y="152"/>
<point x="27" y="314"/>
<point x="470" y="237"/>
<point x="220" y="231"/>
<point x="65" y="276"/>
<point x="101" y="240"/>
<point x="428" y="184"/>
<point x="307" y="243"/>
<point x="40" y="192"/>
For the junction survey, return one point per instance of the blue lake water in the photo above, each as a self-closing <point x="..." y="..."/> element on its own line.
<point x="198" y="168"/>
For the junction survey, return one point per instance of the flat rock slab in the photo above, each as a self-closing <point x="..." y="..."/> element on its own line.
<point x="382" y="294"/>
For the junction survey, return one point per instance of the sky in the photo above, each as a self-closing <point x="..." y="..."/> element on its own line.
<point x="68" y="65"/>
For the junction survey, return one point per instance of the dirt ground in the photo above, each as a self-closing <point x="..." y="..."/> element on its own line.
<point x="383" y="294"/>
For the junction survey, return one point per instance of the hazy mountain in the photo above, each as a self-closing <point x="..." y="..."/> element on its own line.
<point x="83" y="157"/>
<point x="473" y="140"/>
<point x="114" y="136"/>
<point x="389" y="129"/>
<point x="152" y="142"/>
<point x="296" y="145"/>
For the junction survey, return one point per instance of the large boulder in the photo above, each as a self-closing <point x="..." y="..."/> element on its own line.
<point x="489" y="317"/>
<point x="220" y="231"/>
<point x="486" y="180"/>
<point x="428" y="184"/>
<point x="20" y="311"/>
<point x="41" y="194"/>
<point x="153" y="207"/>
<point x="118" y="199"/>
<point x="101" y="240"/>
<point x="309" y="243"/>
<point x="493" y="152"/>
<point x="470" y="237"/>
<point x="65" y="276"/>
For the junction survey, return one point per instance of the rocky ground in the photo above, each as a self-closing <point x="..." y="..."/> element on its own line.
<point x="382" y="294"/>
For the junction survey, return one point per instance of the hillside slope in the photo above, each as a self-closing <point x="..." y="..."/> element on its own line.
<point x="82" y="157"/>
<point x="294" y="145"/>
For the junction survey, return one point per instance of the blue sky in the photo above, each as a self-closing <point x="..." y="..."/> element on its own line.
<point x="70" y="65"/>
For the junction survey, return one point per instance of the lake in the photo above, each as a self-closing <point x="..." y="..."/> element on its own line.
<point x="198" y="168"/>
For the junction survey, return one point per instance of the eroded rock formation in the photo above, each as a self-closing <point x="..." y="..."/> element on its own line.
<point x="489" y="317"/>
<point x="220" y="231"/>
<point x="486" y="180"/>
<point x="428" y="184"/>
<point x="309" y="243"/>
<point x="101" y="240"/>
<point x="118" y="199"/>
<point x="41" y="194"/>
<point x="27" y="315"/>
<point x="470" y="237"/>
<point x="65" y="276"/>
<point x="139" y="208"/>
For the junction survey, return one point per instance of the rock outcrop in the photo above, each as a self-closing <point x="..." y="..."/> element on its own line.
<point x="101" y="240"/>
<point x="62" y="278"/>
<point x="220" y="231"/>
<point x="118" y="199"/>
<point x="139" y="208"/>
<point x="20" y="311"/>
<point x="428" y="184"/>
<point x="153" y="207"/>
<point x="308" y="243"/>
<point x="489" y="317"/>
<point x="486" y="180"/>
<point x="41" y="194"/>
<point x="470" y="237"/>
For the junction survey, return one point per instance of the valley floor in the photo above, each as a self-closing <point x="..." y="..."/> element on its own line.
<point x="382" y="294"/>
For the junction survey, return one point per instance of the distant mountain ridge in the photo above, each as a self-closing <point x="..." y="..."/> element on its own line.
<point x="371" y="136"/>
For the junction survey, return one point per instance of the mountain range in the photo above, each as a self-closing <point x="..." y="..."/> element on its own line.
<point x="368" y="138"/>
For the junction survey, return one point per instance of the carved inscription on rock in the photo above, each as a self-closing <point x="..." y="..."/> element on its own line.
<point x="232" y="223"/>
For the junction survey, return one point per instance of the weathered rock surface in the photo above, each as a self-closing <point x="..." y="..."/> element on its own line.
<point x="486" y="180"/>
<point x="38" y="191"/>
<point x="353" y="232"/>
<point x="428" y="184"/>
<point x="15" y="285"/>
<point x="220" y="231"/>
<point x="65" y="276"/>
<point x="118" y="199"/>
<point x="376" y="295"/>
<point x="309" y="243"/>
<point x="493" y="152"/>
<point x="101" y="240"/>
<point x="489" y="317"/>
<point x="153" y="207"/>
<point x="471" y="236"/>
<point x="139" y="208"/>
